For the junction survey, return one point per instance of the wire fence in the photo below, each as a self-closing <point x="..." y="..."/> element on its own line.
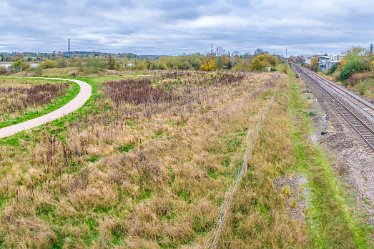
<point x="212" y="242"/>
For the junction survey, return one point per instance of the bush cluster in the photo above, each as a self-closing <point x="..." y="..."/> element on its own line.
<point x="352" y="67"/>
<point x="262" y="61"/>
<point x="2" y="70"/>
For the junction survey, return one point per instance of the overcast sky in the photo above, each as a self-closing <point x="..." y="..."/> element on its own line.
<point x="176" y="27"/>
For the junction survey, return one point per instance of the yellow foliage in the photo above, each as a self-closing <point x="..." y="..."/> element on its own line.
<point x="263" y="60"/>
<point x="314" y="63"/>
<point x="208" y="63"/>
<point x="342" y="63"/>
<point x="163" y="65"/>
<point x="372" y="65"/>
<point x="48" y="64"/>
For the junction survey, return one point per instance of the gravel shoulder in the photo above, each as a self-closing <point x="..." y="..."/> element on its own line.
<point x="82" y="97"/>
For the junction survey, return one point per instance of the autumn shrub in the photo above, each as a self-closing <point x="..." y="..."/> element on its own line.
<point x="357" y="77"/>
<point x="2" y="70"/>
<point x="243" y="65"/>
<point x="48" y="63"/>
<point x="38" y="71"/>
<point x="260" y="62"/>
<point x="208" y="63"/>
<point x="314" y="64"/>
<point x="158" y="65"/>
<point x="19" y="66"/>
<point x="352" y="67"/>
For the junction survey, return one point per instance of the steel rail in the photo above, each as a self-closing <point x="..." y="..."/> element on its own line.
<point x="357" y="123"/>
<point x="362" y="106"/>
<point x="339" y="88"/>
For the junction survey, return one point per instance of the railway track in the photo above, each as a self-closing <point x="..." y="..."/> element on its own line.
<point x="362" y="106"/>
<point x="349" y="105"/>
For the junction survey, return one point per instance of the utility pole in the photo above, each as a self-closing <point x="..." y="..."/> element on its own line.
<point x="326" y="125"/>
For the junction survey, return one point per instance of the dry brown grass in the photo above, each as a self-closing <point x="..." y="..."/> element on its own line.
<point x="134" y="175"/>
<point x="259" y="218"/>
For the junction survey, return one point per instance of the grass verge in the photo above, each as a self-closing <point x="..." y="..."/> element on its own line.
<point x="331" y="220"/>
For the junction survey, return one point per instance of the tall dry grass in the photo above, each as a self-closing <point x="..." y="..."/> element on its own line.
<point x="259" y="217"/>
<point x="16" y="97"/>
<point x="133" y="174"/>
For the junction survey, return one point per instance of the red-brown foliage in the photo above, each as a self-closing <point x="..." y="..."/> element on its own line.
<point x="20" y="98"/>
<point x="137" y="92"/>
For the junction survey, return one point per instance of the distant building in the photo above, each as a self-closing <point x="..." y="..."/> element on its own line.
<point x="325" y="62"/>
<point x="308" y="60"/>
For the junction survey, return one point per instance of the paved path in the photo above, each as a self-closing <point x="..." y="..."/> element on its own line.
<point x="82" y="97"/>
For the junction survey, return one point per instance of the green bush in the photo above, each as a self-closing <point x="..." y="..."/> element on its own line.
<point x="283" y="68"/>
<point x="333" y="69"/>
<point x="363" y="86"/>
<point x="19" y="66"/>
<point x="352" y="67"/>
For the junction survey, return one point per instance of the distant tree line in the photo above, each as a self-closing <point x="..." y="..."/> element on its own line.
<point x="217" y="59"/>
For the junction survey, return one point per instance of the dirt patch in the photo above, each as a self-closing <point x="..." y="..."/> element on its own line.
<point x="296" y="195"/>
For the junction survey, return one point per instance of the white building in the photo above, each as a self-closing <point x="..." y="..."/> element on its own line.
<point x="327" y="61"/>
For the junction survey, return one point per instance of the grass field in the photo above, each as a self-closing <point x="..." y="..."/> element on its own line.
<point x="129" y="170"/>
<point x="147" y="161"/>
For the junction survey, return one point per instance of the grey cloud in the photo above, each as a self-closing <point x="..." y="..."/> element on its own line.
<point x="174" y="27"/>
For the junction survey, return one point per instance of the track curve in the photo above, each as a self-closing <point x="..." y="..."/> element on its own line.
<point x="82" y="97"/>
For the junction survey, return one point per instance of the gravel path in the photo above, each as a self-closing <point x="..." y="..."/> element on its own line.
<point x="73" y="105"/>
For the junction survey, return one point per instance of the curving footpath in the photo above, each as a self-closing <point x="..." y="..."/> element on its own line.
<point x="79" y="100"/>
